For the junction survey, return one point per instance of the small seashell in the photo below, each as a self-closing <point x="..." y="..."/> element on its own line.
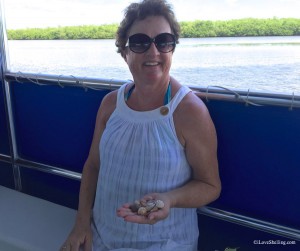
<point x="142" y="211"/>
<point x="135" y="206"/>
<point x="143" y="203"/>
<point x="137" y="202"/>
<point x="159" y="204"/>
<point x="150" y="205"/>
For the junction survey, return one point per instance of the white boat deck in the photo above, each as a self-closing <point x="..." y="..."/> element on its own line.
<point x="30" y="223"/>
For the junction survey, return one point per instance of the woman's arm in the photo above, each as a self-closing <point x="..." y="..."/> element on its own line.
<point x="81" y="234"/>
<point x="196" y="132"/>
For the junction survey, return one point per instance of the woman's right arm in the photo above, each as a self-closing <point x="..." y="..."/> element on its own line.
<point x="81" y="234"/>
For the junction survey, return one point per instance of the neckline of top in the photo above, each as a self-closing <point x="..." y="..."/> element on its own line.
<point x="167" y="97"/>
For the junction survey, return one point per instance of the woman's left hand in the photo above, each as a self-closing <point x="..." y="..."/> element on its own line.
<point x="153" y="217"/>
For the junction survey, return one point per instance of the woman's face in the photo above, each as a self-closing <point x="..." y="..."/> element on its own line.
<point x="151" y="66"/>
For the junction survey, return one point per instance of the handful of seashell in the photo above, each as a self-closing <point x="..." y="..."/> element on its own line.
<point x="145" y="208"/>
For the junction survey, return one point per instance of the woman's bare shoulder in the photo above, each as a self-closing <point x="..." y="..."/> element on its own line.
<point x="193" y="104"/>
<point x="108" y="105"/>
<point x="192" y="117"/>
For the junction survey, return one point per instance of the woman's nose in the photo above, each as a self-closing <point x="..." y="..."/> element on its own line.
<point x="153" y="49"/>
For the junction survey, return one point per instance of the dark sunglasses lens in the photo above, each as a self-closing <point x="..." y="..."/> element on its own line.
<point x="139" y="43"/>
<point x="165" y="42"/>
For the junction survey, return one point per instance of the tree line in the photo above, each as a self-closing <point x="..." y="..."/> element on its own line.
<point x="192" y="29"/>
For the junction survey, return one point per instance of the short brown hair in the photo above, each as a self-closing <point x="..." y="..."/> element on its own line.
<point x="140" y="11"/>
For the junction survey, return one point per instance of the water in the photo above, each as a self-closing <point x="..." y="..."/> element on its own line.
<point x="269" y="64"/>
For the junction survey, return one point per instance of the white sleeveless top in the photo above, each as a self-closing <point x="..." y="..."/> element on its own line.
<point x="140" y="154"/>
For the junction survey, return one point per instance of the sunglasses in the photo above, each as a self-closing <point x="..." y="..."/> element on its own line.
<point x="140" y="43"/>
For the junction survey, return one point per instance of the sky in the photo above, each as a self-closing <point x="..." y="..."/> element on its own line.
<point x="54" y="13"/>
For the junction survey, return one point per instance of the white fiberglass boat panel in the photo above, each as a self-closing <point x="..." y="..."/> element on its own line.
<point x="30" y="223"/>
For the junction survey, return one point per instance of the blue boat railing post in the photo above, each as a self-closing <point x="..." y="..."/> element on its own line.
<point x="7" y="101"/>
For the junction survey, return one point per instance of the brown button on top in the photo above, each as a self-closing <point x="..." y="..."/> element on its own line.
<point x="164" y="110"/>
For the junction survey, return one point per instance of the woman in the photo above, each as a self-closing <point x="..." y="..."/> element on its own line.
<point x="157" y="142"/>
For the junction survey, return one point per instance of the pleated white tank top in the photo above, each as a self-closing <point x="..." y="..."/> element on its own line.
<point x="140" y="154"/>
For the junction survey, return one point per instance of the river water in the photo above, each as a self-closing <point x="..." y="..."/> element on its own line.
<point x="270" y="64"/>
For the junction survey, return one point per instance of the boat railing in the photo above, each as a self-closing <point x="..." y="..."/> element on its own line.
<point x="250" y="222"/>
<point x="256" y="98"/>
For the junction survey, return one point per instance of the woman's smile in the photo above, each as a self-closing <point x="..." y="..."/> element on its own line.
<point x="151" y="63"/>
